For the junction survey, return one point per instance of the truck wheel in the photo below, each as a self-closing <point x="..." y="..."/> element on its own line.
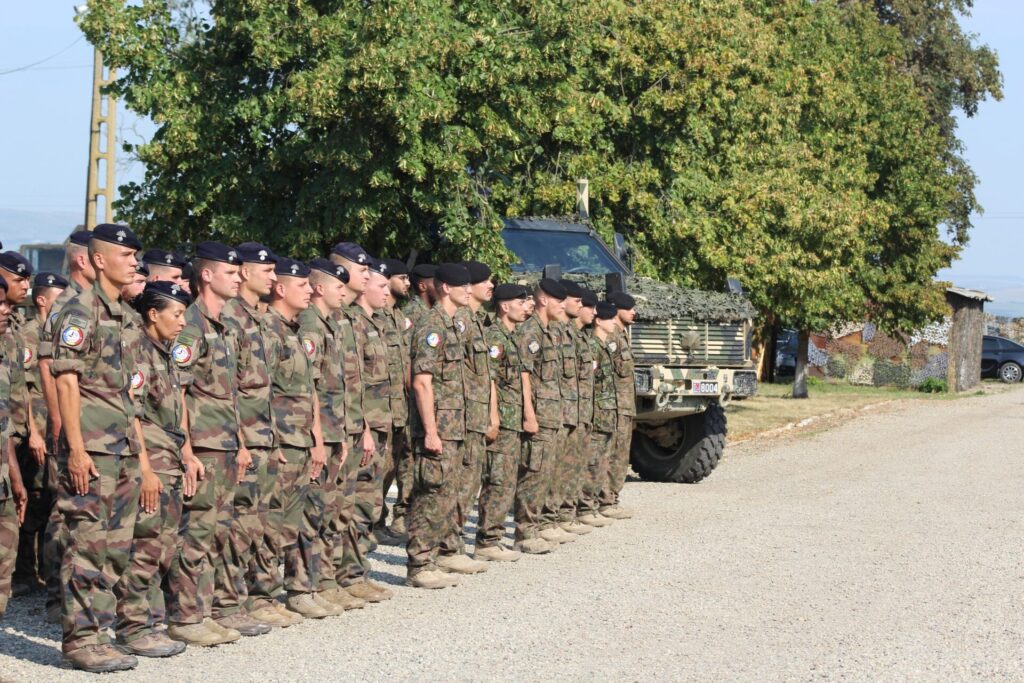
<point x="685" y="450"/>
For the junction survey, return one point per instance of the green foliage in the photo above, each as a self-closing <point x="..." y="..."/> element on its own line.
<point x="837" y="367"/>
<point x="886" y="373"/>
<point x="932" y="385"/>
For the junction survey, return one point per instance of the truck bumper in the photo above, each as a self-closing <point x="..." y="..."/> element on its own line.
<point x="665" y="392"/>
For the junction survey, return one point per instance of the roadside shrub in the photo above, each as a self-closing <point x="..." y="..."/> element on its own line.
<point x="932" y="385"/>
<point x="889" y="374"/>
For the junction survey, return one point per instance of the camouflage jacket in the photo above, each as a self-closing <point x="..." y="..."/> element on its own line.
<point x="14" y="340"/>
<point x="253" y="401"/>
<point x="395" y="334"/>
<point x="206" y="352"/>
<point x="31" y="335"/>
<point x="291" y="377"/>
<point x="46" y="339"/>
<point x="507" y="370"/>
<point x="321" y="340"/>
<point x="98" y="340"/>
<point x="605" y="403"/>
<point x="569" y="375"/>
<point x="438" y="349"/>
<point x="5" y="421"/>
<point x="156" y="386"/>
<point x="371" y="340"/>
<point x="585" y="367"/>
<point x="416" y="311"/>
<point x="625" y="384"/>
<point x="352" y="362"/>
<point x="477" y="377"/>
<point x="540" y="351"/>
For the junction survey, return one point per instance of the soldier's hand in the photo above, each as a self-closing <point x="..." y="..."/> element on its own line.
<point x="37" y="446"/>
<point x="194" y="472"/>
<point x="432" y="442"/>
<point x="369" y="447"/>
<point x="55" y="425"/>
<point x="280" y="457"/>
<point x="344" y="452"/>
<point x="531" y="426"/>
<point x="317" y="458"/>
<point x="149" y="497"/>
<point x="492" y="432"/>
<point x="242" y="462"/>
<point x="20" y="500"/>
<point x="82" y="469"/>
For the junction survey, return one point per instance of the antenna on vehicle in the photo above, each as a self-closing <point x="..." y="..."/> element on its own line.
<point x="583" y="199"/>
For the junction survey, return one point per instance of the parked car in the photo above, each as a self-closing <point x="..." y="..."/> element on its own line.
<point x="1002" y="358"/>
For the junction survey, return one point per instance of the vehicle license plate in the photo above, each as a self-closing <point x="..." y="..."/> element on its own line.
<point x="705" y="387"/>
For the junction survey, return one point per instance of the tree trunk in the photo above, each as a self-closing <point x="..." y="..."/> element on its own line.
<point x="800" y="378"/>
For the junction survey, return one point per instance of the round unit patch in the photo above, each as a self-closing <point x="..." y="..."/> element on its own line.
<point x="433" y="339"/>
<point x="72" y="336"/>
<point x="181" y="354"/>
<point x="309" y="346"/>
<point x="534" y="347"/>
<point x="461" y="325"/>
<point x="408" y="323"/>
<point x="495" y="352"/>
<point x="612" y="346"/>
<point x="137" y="379"/>
<point x="29" y="355"/>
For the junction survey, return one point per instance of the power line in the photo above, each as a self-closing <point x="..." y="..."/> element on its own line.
<point x="44" y="60"/>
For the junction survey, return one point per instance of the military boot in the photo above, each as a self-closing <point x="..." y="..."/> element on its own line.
<point x="244" y="624"/>
<point x="574" y="527"/>
<point x="431" y="579"/>
<point x="616" y="512"/>
<point x="270" y="616"/>
<point x="381" y="588"/>
<point x="100" y="659"/>
<point x="460" y="564"/>
<point x="364" y="590"/>
<point x="344" y="599"/>
<point x="53" y="615"/>
<point x="398" y="527"/>
<point x="595" y="519"/>
<point x="535" y="546"/>
<point x="196" y="634"/>
<point x="326" y="605"/>
<point x="295" y="617"/>
<point x="231" y="634"/>
<point x="304" y="604"/>
<point x="386" y="536"/>
<point x="496" y="553"/>
<point x="152" y="645"/>
<point x="556" y="535"/>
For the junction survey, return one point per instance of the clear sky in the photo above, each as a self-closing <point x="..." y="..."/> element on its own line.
<point x="45" y="122"/>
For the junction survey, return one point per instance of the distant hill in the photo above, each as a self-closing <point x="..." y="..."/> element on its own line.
<point x="19" y="227"/>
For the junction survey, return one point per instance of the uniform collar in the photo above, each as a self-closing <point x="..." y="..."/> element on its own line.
<point x="292" y="324"/>
<point x="114" y="308"/>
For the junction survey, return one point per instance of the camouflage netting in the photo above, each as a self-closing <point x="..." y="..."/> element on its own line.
<point x="663" y="301"/>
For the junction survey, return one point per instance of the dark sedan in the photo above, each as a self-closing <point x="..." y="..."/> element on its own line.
<point x="1002" y="358"/>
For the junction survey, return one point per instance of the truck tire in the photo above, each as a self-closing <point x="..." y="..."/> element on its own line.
<point x="689" y="459"/>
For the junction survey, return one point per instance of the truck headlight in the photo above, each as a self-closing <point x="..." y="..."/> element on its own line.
<point x="643" y="381"/>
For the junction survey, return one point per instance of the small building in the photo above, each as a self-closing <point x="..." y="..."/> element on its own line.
<point x="965" y="335"/>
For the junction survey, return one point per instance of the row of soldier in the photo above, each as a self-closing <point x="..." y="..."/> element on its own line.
<point x="201" y="451"/>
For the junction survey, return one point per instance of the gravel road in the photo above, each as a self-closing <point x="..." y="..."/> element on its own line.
<point x="885" y="548"/>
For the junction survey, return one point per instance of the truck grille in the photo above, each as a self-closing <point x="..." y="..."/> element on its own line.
<point x="663" y="342"/>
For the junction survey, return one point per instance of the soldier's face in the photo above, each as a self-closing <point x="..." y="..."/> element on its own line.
<point x="431" y="290"/>
<point x="133" y="289"/>
<point x="332" y="291"/>
<point x="518" y="310"/>
<point x="482" y="291"/>
<point x="44" y="298"/>
<point x="118" y="263"/>
<point x="5" y="311"/>
<point x="224" y="279"/>
<point x="587" y="314"/>
<point x="259" y="278"/>
<point x="358" y="275"/>
<point x="531" y="306"/>
<point x="627" y="316"/>
<point x="555" y="308"/>
<point x="17" y="288"/>
<point x="376" y="292"/>
<point x="459" y="295"/>
<point x="165" y="274"/>
<point x="572" y="306"/>
<point x="295" y="292"/>
<point x="400" y="286"/>
<point x="608" y="326"/>
<point x="169" y="321"/>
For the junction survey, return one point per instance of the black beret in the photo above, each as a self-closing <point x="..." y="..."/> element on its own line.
<point x="45" y="279"/>
<point x="452" y="274"/>
<point x="332" y="269"/>
<point x="254" y="252"/>
<point x="161" y="257"/>
<point x="141" y="268"/>
<point x="81" y="237"/>
<point x="396" y="267"/>
<point x="291" y="268"/>
<point x="571" y="288"/>
<point x="424" y="271"/>
<point x="215" y="251"/>
<point x="13" y="262"/>
<point x="509" y="291"/>
<point x="3" y="283"/>
<point x="116" y="234"/>
<point x="589" y="298"/>
<point x="170" y="290"/>
<point x="606" y="310"/>
<point x="379" y="267"/>
<point x="552" y="288"/>
<point x="188" y="271"/>
<point x="478" y="272"/>
<point x="351" y="251"/>
<point x="622" y="301"/>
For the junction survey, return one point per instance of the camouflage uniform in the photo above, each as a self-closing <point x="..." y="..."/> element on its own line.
<point x="97" y="340"/>
<point x="477" y="383"/>
<point x="540" y="351"/>
<point x="398" y="464"/>
<point x="8" y="513"/>
<point x="438" y="349"/>
<point x="602" y="437"/>
<point x="577" y="451"/>
<point x="292" y="400"/>
<point x="254" y="542"/>
<point x="622" y="363"/>
<point x="206" y="353"/>
<point x="416" y="311"/>
<point x="55" y="536"/>
<point x="370" y="333"/>
<point x="157" y="392"/>
<point x="503" y="454"/>
<point x="321" y="339"/>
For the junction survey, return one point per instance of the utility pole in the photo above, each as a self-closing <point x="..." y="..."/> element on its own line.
<point x="102" y="142"/>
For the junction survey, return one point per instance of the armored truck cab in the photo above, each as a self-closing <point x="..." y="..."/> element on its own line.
<point x="692" y="348"/>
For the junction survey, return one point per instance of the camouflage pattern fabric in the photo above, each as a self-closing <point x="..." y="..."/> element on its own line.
<point x="586" y="366"/>
<point x="15" y="349"/>
<point x="322" y="341"/>
<point x="31" y="337"/>
<point x="539" y="351"/>
<point x="8" y="514"/>
<point x="434" y="501"/>
<point x="540" y="452"/>
<point x="300" y="524"/>
<point x="263" y="576"/>
<point x="507" y="370"/>
<point x="342" y="527"/>
<point x="41" y="486"/>
<point x="477" y="373"/>
<point x="625" y="391"/>
<point x="46" y="337"/>
<point x="416" y="311"/>
<point x="397" y="465"/>
<point x="351" y="356"/>
<point x="332" y="532"/>
<point x="601" y="439"/>
<point x="398" y="469"/>
<point x="499" y="486"/>
<point x="367" y="504"/>
<point x="469" y="472"/>
<point x="291" y="376"/>
<point x="253" y="399"/>
<point x="375" y="371"/>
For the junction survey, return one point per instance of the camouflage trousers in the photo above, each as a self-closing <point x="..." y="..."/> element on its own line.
<point x="8" y="544"/>
<point x="41" y="488"/>
<point x="541" y="452"/>
<point x="205" y="527"/>
<point x="470" y="473"/>
<point x="499" y="487"/>
<point x="99" y="527"/>
<point x="598" y="454"/>
<point x="332" y="531"/>
<point x="573" y="472"/>
<point x="263" y="576"/>
<point x="435" y="498"/>
<point x="245" y="537"/>
<point x="140" y="596"/>
<point x="618" y="463"/>
<point x="561" y="472"/>
<point x="362" y="502"/>
<point x="398" y="469"/>
<point x="55" y="538"/>
<point x="302" y="508"/>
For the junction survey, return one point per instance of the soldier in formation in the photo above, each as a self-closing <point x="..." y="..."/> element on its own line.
<point x="200" y="450"/>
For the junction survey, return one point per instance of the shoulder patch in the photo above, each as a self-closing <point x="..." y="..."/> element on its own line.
<point x="433" y="339"/>
<point x="461" y="325"/>
<point x="612" y="346"/>
<point x="408" y="323"/>
<point x="54" y="316"/>
<point x="137" y="379"/>
<point x="495" y="351"/>
<point x="72" y="335"/>
<point x="309" y="345"/>
<point x="181" y="353"/>
<point x="29" y="355"/>
<point x="533" y="346"/>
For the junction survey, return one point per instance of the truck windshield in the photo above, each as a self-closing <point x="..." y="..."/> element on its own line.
<point x="575" y="252"/>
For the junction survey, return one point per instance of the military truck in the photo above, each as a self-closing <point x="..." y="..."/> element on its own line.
<point x="692" y="348"/>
